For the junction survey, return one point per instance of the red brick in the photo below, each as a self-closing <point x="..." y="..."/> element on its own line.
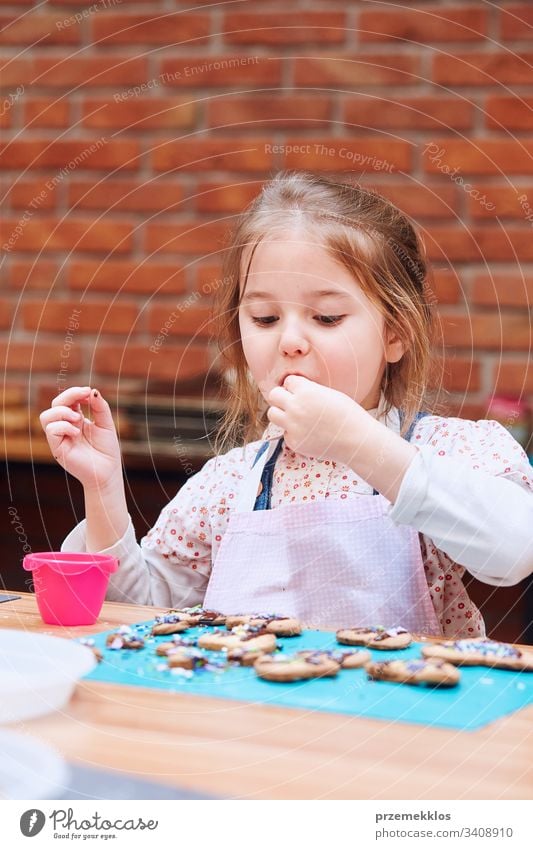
<point x="46" y="112"/>
<point x="226" y="197"/>
<point x="351" y="154"/>
<point x="221" y="70"/>
<point x="460" y="374"/>
<point x="299" y="27"/>
<point x="99" y="317"/>
<point x="37" y="27"/>
<point x="6" y="113"/>
<point x="501" y="201"/>
<point x="191" y="321"/>
<point x="484" y="156"/>
<point x="46" y="234"/>
<point x="445" y="286"/>
<point x="70" y="71"/>
<point x="513" y="376"/>
<point x="509" y="244"/>
<point x="139" y="114"/>
<point x="478" y="244"/>
<point x="170" y="362"/>
<point x="25" y="192"/>
<point x="420" y="201"/>
<point x="61" y="154"/>
<point x="34" y="274"/>
<point x="425" y="24"/>
<point x="490" y="331"/>
<point x="449" y="244"/>
<point x="419" y="113"/>
<point x="356" y="70"/>
<point x="6" y="313"/>
<point x="493" y="68"/>
<point x="36" y="356"/>
<point x="193" y="237"/>
<point x="208" y="277"/>
<point x="157" y="195"/>
<point x="209" y="154"/>
<point x="126" y="276"/>
<point x="243" y="113"/>
<point x="502" y="290"/>
<point x="516" y="22"/>
<point x="167" y="28"/>
<point x="509" y="113"/>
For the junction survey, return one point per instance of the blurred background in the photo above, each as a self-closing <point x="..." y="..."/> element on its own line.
<point x="134" y="132"/>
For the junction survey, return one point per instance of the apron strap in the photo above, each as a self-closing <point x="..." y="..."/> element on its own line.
<point x="262" y="502"/>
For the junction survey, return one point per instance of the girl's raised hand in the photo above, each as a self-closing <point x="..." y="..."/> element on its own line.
<point x="316" y="419"/>
<point x="86" y="448"/>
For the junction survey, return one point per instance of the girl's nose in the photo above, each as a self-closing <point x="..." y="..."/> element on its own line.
<point x="292" y="342"/>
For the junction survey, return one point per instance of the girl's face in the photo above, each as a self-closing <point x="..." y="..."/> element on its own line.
<point x="303" y="313"/>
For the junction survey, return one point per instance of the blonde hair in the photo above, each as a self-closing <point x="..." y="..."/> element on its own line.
<point x="370" y="237"/>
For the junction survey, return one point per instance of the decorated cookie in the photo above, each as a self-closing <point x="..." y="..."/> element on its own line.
<point x="243" y="656"/>
<point x="296" y="667"/>
<point x="481" y="652"/>
<point x="170" y="623"/>
<point x="375" y="637"/>
<point x="345" y="659"/>
<point x="186" y="658"/>
<point x="124" y="638"/>
<point x="163" y="649"/>
<point x="243" y="636"/>
<point x="200" y="615"/>
<point x="281" y="626"/>
<point x="432" y="672"/>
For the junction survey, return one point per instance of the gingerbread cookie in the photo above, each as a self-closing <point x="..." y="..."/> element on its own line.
<point x="433" y="673"/>
<point x="296" y="667"/>
<point x="171" y="622"/>
<point x="481" y="652"/>
<point x="243" y="636"/>
<point x="281" y="626"/>
<point x="375" y="637"/>
<point x="124" y="638"/>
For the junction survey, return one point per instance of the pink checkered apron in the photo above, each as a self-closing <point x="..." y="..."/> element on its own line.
<point x="334" y="563"/>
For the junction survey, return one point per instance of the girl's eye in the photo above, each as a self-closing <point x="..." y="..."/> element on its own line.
<point x="264" y="319"/>
<point x="329" y="319"/>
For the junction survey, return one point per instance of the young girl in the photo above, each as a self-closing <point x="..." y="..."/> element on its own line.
<point x="356" y="505"/>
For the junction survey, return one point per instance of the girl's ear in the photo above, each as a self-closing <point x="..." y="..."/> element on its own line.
<point x="394" y="346"/>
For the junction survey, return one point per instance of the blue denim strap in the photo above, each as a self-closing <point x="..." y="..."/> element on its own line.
<point x="262" y="502"/>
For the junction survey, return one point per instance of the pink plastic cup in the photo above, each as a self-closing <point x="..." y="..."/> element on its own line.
<point x="70" y="588"/>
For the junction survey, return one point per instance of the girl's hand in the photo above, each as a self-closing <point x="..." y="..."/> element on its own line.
<point x="86" y="448"/>
<point x="318" y="421"/>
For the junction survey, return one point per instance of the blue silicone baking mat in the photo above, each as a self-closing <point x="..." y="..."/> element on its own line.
<point x="482" y="696"/>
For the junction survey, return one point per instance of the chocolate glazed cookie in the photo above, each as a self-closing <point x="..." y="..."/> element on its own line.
<point x="481" y="652"/>
<point x="375" y="637"/>
<point x="433" y="673"/>
<point x="281" y="626"/>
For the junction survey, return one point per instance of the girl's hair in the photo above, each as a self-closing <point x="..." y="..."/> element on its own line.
<point x="370" y="237"/>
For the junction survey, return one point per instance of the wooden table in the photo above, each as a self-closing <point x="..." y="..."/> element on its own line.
<point x="251" y="751"/>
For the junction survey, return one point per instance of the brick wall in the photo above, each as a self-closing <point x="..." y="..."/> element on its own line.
<point x="136" y="130"/>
